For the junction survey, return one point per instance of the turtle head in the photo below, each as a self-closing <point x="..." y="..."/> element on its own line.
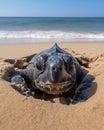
<point x="54" y="71"/>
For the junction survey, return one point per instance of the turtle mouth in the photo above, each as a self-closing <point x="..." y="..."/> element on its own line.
<point x="54" y="88"/>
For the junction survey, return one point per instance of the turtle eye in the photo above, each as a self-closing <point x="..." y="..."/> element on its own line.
<point x="68" y="63"/>
<point x="40" y="64"/>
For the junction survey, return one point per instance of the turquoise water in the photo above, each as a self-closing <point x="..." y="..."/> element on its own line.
<point x="38" y="29"/>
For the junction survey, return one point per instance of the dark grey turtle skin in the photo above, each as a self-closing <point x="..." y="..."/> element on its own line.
<point x="53" y="71"/>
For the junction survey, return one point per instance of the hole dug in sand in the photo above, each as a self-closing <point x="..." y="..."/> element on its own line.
<point x="87" y="87"/>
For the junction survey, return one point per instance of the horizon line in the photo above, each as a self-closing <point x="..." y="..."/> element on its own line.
<point x="57" y="16"/>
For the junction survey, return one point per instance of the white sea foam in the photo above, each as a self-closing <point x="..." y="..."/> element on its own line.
<point x="52" y="35"/>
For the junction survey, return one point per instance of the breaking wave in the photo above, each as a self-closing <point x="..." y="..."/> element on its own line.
<point x="52" y="35"/>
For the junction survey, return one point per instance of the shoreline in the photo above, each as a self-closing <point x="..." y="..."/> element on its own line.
<point x="51" y="42"/>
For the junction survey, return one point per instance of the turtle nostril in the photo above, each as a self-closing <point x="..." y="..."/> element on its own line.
<point x="56" y="69"/>
<point x="53" y="68"/>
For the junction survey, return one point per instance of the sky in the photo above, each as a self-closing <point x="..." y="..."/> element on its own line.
<point x="52" y="8"/>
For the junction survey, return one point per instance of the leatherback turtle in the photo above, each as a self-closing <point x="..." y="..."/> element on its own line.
<point x="53" y="71"/>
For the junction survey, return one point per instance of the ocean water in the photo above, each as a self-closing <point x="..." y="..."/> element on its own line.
<point x="50" y="29"/>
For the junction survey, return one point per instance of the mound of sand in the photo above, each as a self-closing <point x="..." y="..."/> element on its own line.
<point x="18" y="112"/>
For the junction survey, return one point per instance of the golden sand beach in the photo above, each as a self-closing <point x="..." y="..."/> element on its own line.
<point x="18" y="112"/>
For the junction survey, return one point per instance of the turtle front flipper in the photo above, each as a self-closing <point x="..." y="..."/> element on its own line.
<point x="85" y="89"/>
<point x="18" y="82"/>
